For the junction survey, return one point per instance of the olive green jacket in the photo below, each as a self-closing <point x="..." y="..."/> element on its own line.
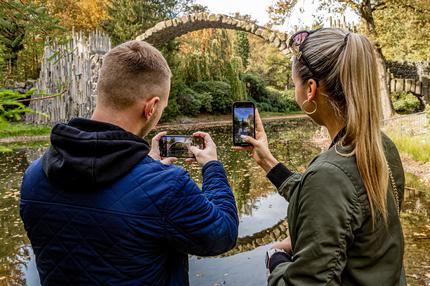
<point x="333" y="241"/>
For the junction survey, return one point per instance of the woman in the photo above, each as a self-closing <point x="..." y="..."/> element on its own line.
<point x="343" y="210"/>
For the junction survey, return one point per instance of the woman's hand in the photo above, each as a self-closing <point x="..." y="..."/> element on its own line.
<point x="284" y="244"/>
<point x="154" y="153"/>
<point x="203" y="155"/>
<point x="260" y="146"/>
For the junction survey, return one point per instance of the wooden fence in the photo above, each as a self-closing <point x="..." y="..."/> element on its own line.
<point x="408" y="125"/>
<point x="70" y="70"/>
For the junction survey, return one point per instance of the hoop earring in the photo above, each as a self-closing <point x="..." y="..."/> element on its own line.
<point x="312" y="112"/>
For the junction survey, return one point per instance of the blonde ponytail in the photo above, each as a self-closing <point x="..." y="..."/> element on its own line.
<point x="346" y="66"/>
<point x="360" y="83"/>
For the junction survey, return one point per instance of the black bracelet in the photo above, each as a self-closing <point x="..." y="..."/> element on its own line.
<point x="278" y="174"/>
<point x="278" y="258"/>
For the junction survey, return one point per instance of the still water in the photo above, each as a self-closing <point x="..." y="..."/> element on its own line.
<point x="262" y="212"/>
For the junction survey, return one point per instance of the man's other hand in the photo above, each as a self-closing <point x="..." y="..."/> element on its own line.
<point x="204" y="155"/>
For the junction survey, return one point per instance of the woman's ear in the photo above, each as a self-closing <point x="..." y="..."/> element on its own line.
<point x="311" y="89"/>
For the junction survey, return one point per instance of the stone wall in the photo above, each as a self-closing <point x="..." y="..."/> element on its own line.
<point x="72" y="71"/>
<point x="410" y="76"/>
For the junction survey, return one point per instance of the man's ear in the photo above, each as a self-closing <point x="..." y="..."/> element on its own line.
<point x="149" y="106"/>
<point x="311" y="90"/>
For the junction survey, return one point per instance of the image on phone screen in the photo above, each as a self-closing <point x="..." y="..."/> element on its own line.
<point x="178" y="145"/>
<point x="243" y="122"/>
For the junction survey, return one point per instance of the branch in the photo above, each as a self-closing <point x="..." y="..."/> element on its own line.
<point x="43" y="97"/>
<point x="354" y="5"/>
<point x="380" y="6"/>
<point x="414" y="8"/>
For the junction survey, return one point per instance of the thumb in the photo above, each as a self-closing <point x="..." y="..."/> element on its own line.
<point x="169" y="160"/>
<point x="249" y="139"/>
<point x="194" y="149"/>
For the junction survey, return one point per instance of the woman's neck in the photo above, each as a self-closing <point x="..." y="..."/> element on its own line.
<point x="334" y="127"/>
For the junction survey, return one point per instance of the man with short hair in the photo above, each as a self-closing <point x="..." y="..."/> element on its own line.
<point x="101" y="207"/>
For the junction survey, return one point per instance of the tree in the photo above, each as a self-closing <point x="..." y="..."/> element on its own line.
<point x="241" y="47"/>
<point x="23" y="23"/>
<point x="81" y="15"/>
<point x="365" y="9"/>
<point x="266" y="61"/>
<point x="129" y="18"/>
<point x="409" y="41"/>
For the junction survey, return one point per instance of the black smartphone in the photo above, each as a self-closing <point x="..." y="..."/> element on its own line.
<point x="243" y="122"/>
<point x="178" y="145"/>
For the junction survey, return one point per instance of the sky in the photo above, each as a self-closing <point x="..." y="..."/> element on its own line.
<point x="258" y="11"/>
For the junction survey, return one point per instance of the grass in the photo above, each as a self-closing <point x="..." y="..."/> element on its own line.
<point x="416" y="146"/>
<point x="414" y="182"/>
<point x="4" y="149"/>
<point x="20" y="129"/>
<point x="265" y="114"/>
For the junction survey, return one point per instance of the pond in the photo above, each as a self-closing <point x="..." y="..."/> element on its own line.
<point x="262" y="212"/>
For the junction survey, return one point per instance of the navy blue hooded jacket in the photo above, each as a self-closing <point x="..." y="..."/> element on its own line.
<point x="99" y="211"/>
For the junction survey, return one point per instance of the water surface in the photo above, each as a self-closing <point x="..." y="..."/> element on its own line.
<point x="262" y="212"/>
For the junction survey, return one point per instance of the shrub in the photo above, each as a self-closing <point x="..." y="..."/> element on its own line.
<point x="205" y="99"/>
<point x="187" y="100"/>
<point x="172" y="109"/>
<point x="279" y="101"/>
<point x="11" y="106"/>
<point x="255" y="86"/>
<point x="220" y="95"/>
<point x="405" y="102"/>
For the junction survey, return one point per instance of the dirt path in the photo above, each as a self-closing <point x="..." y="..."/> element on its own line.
<point x="180" y="126"/>
<point x="421" y="170"/>
<point x="217" y="123"/>
<point x="24" y="139"/>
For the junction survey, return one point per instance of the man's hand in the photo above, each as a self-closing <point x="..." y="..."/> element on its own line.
<point x="207" y="154"/>
<point x="154" y="153"/>
<point x="260" y="146"/>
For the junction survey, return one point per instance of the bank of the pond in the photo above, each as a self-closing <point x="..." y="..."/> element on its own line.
<point x="31" y="133"/>
<point x="10" y="130"/>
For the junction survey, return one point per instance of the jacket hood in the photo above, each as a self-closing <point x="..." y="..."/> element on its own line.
<point x="87" y="154"/>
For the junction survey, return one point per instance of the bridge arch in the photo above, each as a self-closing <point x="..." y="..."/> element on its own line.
<point x="168" y="30"/>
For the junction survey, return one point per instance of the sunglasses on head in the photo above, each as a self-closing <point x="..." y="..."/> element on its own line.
<point x="295" y="45"/>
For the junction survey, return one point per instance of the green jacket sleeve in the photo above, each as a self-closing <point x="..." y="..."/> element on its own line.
<point x="320" y="215"/>
<point x="289" y="185"/>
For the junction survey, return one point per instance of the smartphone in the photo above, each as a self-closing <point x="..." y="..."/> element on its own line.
<point x="178" y="145"/>
<point x="243" y="122"/>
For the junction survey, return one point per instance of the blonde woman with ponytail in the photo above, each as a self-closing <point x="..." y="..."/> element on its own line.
<point x="343" y="214"/>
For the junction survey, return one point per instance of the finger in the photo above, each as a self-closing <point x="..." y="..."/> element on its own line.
<point x="200" y="134"/>
<point x="237" y="148"/>
<point x="194" y="150"/>
<point x="169" y="160"/>
<point x="190" y="160"/>
<point x="158" y="136"/>
<point x="206" y="136"/>
<point x="249" y="139"/>
<point x="258" y="122"/>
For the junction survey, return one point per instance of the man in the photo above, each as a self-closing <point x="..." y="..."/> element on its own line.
<point x="102" y="208"/>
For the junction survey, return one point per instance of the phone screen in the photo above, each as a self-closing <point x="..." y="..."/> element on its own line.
<point x="178" y="145"/>
<point x="243" y="122"/>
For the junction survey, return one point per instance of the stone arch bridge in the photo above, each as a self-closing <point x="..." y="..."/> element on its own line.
<point x="74" y="74"/>
<point x="170" y="29"/>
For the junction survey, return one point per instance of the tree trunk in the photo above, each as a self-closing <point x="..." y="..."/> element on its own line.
<point x="366" y="13"/>
<point x="386" y="104"/>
